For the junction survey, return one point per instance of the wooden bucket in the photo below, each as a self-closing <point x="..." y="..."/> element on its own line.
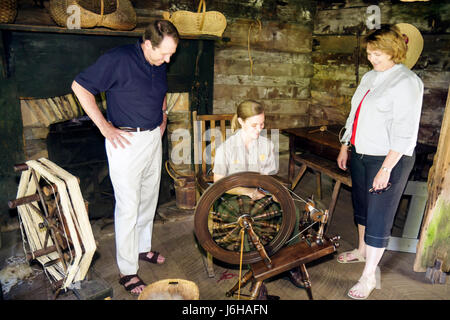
<point x="184" y="188"/>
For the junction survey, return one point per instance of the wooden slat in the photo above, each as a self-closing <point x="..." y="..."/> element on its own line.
<point x="195" y="132"/>
<point x="203" y="129"/>
<point x="209" y="117"/>
<point x="325" y="166"/>
<point x="138" y="32"/>
<point x="213" y="141"/>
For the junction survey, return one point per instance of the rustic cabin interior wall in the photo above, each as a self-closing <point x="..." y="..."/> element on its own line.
<point x="340" y="61"/>
<point x="43" y="65"/>
<point x="40" y="66"/>
<point x="268" y="58"/>
<point x="301" y="58"/>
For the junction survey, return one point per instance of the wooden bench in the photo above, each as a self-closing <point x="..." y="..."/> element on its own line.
<point x="322" y="166"/>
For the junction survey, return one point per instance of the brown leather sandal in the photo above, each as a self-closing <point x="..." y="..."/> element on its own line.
<point x="123" y="280"/>
<point x="153" y="259"/>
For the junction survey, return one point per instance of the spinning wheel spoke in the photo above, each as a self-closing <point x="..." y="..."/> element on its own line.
<point x="223" y="217"/>
<point x="218" y="226"/>
<point x="261" y="205"/>
<point x="268" y="215"/>
<point x="241" y="204"/>
<point x="231" y="211"/>
<point x="231" y="236"/>
<point x="264" y="227"/>
<point x="267" y="225"/>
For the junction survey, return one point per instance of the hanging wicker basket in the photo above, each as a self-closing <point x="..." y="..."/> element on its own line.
<point x="201" y="22"/>
<point x="170" y="289"/>
<point x="8" y="11"/>
<point x="112" y="14"/>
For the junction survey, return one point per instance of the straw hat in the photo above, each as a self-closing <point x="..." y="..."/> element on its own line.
<point x="414" y="42"/>
<point x="113" y="14"/>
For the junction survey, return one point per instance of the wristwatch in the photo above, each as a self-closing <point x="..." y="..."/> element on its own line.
<point x="345" y="143"/>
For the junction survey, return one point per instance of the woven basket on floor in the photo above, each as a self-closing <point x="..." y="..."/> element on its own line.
<point x="201" y="22"/>
<point x="8" y="11"/>
<point x="113" y="14"/>
<point x="170" y="289"/>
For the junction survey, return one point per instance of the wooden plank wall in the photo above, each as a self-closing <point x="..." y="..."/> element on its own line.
<point x="334" y="57"/>
<point x="268" y="62"/>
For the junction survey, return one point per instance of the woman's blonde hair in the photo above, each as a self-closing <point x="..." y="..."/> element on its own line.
<point x="389" y="40"/>
<point x="246" y="109"/>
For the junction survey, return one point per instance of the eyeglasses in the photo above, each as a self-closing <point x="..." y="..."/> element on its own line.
<point x="380" y="191"/>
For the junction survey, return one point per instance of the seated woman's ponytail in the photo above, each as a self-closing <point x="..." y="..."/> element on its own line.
<point x="246" y="109"/>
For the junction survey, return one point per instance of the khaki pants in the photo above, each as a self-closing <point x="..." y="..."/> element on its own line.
<point x="135" y="174"/>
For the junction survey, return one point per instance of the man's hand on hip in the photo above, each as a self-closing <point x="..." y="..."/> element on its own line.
<point x="116" y="136"/>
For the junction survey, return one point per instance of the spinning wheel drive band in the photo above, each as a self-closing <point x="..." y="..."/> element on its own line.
<point x="272" y="222"/>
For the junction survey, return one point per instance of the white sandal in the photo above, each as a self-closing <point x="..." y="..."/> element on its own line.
<point x="365" y="286"/>
<point x="343" y="257"/>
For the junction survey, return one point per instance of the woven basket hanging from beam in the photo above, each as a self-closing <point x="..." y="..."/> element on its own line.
<point x="8" y="11"/>
<point x="201" y="22"/>
<point x="112" y="14"/>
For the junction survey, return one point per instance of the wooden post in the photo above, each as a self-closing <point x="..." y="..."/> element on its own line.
<point x="434" y="235"/>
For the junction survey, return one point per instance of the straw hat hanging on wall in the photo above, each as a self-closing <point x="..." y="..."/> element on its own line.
<point x="113" y="14"/>
<point x="414" y="42"/>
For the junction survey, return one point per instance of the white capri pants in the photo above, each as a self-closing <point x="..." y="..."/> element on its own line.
<point x="135" y="174"/>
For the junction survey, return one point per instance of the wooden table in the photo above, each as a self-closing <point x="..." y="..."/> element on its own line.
<point x="322" y="143"/>
<point x="317" y="149"/>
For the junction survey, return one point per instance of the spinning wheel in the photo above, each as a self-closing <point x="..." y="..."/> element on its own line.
<point x="221" y="221"/>
<point x="54" y="222"/>
<point x="268" y="223"/>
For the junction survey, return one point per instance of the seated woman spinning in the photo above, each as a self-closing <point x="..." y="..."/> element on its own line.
<point x="247" y="150"/>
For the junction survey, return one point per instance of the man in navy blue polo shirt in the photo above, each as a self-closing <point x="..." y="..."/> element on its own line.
<point x="135" y="82"/>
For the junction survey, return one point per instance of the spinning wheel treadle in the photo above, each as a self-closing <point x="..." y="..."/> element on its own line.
<point x="268" y="223"/>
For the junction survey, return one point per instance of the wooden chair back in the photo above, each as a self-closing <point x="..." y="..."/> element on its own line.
<point x="207" y="129"/>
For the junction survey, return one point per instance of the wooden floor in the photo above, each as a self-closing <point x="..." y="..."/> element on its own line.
<point x="173" y="236"/>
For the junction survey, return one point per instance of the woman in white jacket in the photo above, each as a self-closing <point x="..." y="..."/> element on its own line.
<point x="381" y="132"/>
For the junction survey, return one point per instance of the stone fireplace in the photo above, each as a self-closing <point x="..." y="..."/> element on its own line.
<point x="39" y="114"/>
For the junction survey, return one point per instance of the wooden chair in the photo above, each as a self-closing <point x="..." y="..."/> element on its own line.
<point x="206" y="130"/>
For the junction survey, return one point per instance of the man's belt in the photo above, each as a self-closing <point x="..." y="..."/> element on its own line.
<point x="129" y="129"/>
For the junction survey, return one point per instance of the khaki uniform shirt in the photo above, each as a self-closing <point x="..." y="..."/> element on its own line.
<point x="232" y="156"/>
